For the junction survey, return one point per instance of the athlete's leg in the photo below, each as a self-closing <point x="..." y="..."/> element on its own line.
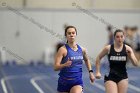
<point x="122" y="86"/>
<point x="111" y="87"/>
<point x="76" y="89"/>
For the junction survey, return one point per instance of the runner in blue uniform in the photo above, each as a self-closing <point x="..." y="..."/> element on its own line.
<point x="69" y="60"/>
<point x="117" y="79"/>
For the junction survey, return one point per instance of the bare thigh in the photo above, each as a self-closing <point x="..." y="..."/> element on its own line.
<point x="122" y="86"/>
<point x="76" y="89"/>
<point x="111" y="87"/>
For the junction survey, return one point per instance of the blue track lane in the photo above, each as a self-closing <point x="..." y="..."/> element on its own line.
<point x="43" y="79"/>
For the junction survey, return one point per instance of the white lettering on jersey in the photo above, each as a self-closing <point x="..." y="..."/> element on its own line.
<point x="118" y="58"/>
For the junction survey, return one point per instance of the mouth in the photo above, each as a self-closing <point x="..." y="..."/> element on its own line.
<point x="120" y="42"/>
<point x="72" y="37"/>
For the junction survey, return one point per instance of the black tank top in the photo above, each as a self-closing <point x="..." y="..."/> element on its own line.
<point x="117" y="60"/>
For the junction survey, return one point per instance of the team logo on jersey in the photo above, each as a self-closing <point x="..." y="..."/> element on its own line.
<point x="118" y="58"/>
<point x="76" y="58"/>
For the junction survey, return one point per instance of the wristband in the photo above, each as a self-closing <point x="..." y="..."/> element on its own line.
<point x="90" y="71"/>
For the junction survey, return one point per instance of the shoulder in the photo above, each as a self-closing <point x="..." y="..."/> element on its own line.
<point x="83" y="49"/>
<point x="58" y="45"/>
<point x="128" y="47"/>
<point x="62" y="50"/>
<point x="107" y="47"/>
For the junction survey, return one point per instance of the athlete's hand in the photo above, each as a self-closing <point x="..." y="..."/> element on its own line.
<point x="98" y="75"/>
<point x="68" y="63"/>
<point x="92" y="77"/>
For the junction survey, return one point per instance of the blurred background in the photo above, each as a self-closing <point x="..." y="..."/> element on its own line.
<point x="31" y="29"/>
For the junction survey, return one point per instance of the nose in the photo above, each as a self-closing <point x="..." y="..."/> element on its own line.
<point x="71" y="35"/>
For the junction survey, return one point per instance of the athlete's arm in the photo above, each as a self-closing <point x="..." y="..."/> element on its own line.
<point x="88" y="65"/>
<point x="131" y="55"/>
<point x="60" y="54"/>
<point x="86" y="59"/>
<point x="98" y="59"/>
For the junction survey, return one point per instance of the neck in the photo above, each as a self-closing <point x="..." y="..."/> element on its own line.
<point x="72" y="44"/>
<point x="118" y="45"/>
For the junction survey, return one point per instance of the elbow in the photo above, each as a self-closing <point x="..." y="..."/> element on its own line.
<point x="55" y="68"/>
<point x="136" y="64"/>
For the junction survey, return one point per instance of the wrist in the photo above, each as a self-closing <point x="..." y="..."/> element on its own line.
<point x="90" y="71"/>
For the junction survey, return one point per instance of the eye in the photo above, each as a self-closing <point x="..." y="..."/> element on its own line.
<point x="69" y="33"/>
<point x="73" y="32"/>
<point x="117" y="36"/>
<point x="121" y="36"/>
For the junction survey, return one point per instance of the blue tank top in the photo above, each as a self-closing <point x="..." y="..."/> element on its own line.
<point x="75" y="70"/>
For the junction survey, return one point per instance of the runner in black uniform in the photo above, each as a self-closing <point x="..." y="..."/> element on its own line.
<point x="117" y="62"/>
<point x="117" y="80"/>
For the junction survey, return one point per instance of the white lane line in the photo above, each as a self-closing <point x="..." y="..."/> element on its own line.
<point x="4" y="85"/>
<point x="33" y="82"/>
<point x="134" y="87"/>
<point x="99" y="86"/>
<point x="36" y="86"/>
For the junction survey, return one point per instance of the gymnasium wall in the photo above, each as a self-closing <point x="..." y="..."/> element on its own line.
<point x="29" y="33"/>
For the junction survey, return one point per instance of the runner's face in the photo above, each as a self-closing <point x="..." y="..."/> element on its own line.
<point x="71" y="35"/>
<point x="119" y="38"/>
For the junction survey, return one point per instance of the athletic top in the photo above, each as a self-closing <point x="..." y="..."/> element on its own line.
<point x="117" y="61"/>
<point x="75" y="70"/>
